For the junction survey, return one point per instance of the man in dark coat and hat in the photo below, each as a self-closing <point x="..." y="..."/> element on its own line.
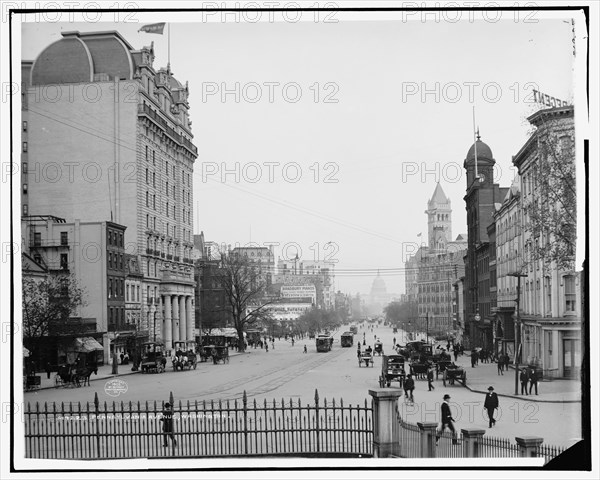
<point x="491" y="404"/>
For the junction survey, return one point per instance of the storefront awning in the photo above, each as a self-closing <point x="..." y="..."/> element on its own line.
<point x="87" y="344"/>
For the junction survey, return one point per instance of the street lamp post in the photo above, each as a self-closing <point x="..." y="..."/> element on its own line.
<point x="427" y="326"/>
<point x="517" y="324"/>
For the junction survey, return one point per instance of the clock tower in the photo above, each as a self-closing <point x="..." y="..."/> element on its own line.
<point x="480" y="202"/>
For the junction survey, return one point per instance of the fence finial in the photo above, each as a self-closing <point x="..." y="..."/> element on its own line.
<point x="316" y="396"/>
<point x="171" y="400"/>
<point x="96" y="401"/>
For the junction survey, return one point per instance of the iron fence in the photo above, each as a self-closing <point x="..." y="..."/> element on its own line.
<point x="207" y="429"/>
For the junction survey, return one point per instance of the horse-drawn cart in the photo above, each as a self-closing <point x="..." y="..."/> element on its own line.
<point x="185" y="356"/>
<point x="220" y="354"/>
<point x="379" y="348"/>
<point x="454" y="372"/>
<point x="365" y="357"/>
<point x="392" y="370"/>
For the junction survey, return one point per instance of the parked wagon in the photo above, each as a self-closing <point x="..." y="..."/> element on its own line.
<point x="454" y="372"/>
<point x="379" y="348"/>
<point x="392" y="370"/>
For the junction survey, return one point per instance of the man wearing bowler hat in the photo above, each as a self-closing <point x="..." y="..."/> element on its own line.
<point x="447" y="421"/>
<point x="491" y="404"/>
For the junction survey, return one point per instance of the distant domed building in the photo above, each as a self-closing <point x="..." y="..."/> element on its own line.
<point x="379" y="296"/>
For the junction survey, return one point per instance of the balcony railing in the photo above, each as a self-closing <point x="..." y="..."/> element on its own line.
<point x="48" y="244"/>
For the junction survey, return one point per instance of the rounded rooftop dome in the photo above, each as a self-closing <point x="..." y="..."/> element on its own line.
<point x="483" y="151"/>
<point x="78" y="57"/>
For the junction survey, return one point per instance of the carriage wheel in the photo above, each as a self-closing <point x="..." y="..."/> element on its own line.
<point x="57" y="380"/>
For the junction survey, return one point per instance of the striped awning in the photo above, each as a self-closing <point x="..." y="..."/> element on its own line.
<point x="87" y="344"/>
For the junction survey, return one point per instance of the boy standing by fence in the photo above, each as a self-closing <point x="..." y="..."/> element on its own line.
<point x="167" y="421"/>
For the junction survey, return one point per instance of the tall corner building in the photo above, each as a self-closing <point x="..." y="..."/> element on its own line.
<point x="109" y="139"/>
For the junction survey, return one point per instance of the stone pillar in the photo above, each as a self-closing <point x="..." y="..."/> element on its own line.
<point x="428" y="431"/>
<point x="386" y="437"/>
<point x="528" y="446"/>
<point x="472" y="439"/>
<point x="182" y="319"/>
<point x="167" y="338"/>
<point x="175" y="313"/>
<point x="189" y="318"/>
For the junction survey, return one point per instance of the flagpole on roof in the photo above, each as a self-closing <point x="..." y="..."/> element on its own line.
<point x="169" y="47"/>
<point x="475" y="135"/>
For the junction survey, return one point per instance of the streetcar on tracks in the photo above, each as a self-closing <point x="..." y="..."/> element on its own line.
<point x="324" y="343"/>
<point x="347" y="339"/>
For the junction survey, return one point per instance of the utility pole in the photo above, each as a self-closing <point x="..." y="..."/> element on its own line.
<point x="427" y="332"/>
<point x="517" y="325"/>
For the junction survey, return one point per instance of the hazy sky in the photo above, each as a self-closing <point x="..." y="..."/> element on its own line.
<point x="334" y="118"/>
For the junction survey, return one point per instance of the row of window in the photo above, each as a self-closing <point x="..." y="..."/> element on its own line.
<point x="115" y="238"/>
<point x="169" y="212"/>
<point x="132" y="293"/>
<point x="116" y="287"/>
<point x="186" y="178"/>
<point x="115" y="261"/>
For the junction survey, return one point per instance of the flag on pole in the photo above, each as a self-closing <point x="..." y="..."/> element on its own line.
<point x="153" y="28"/>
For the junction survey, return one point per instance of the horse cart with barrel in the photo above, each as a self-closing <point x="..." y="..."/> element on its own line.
<point x="392" y="370"/>
<point x="153" y="358"/>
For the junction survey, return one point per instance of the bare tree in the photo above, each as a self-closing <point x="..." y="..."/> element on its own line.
<point x="244" y="286"/>
<point x="48" y="306"/>
<point x="553" y="210"/>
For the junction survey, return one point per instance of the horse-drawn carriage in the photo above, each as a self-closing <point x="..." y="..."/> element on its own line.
<point x="392" y="370"/>
<point x="185" y="355"/>
<point x="153" y="359"/>
<point x="72" y="375"/>
<point x="366" y="357"/>
<point x="220" y="353"/>
<point x="379" y="348"/>
<point x="454" y="372"/>
<point x="441" y="365"/>
<point x="419" y="368"/>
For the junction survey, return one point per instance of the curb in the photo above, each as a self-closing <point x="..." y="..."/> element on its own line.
<point x="109" y="377"/>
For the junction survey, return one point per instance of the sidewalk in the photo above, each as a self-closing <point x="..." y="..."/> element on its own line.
<point x="484" y="375"/>
<point x="104" y="373"/>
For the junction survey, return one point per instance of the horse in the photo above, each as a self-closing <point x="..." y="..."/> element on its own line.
<point x="86" y="373"/>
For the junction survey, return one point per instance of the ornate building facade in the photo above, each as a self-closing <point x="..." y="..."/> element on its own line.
<point x="109" y="136"/>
